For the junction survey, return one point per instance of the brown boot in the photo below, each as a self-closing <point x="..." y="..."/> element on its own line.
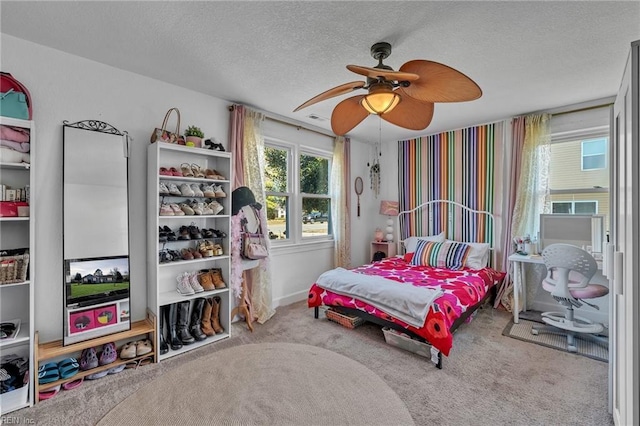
<point x="215" y="315"/>
<point x="216" y="277"/>
<point x="206" y="318"/>
<point x="206" y="281"/>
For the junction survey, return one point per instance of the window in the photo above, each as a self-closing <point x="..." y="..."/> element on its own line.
<point x="297" y="186"/>
<point x="594" y="154"/>
<point x="579" y="172"/>
<point x="574" y="207"/>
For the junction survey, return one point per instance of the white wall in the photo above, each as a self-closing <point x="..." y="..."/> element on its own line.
<point x="67" y="87"/>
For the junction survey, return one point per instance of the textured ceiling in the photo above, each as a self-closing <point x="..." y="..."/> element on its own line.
<point x="526" y="56"/>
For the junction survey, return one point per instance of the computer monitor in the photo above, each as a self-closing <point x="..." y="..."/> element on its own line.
<point x="582" y="230"/>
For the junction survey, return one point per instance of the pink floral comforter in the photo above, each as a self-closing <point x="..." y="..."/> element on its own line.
<point x="462" y="290"/>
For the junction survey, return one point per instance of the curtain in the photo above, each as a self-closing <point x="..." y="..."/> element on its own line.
<point x="532" y="195"/>
<point x="341" y="196"/>
<point x="248" y="148"/>
<point x="512" y="160"/>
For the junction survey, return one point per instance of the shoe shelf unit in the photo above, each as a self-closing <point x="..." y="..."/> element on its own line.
<point x="17" y="236"/>
<point x="56" y="351"/>
<point x="199" y="241"/>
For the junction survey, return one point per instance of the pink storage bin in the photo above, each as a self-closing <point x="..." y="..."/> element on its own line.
<point x="81" y="321"/>
<point x="105" y="315"/>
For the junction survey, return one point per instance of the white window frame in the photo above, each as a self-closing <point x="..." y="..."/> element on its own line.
<point x="583" y="155"/>
<point x="294" y="193"/>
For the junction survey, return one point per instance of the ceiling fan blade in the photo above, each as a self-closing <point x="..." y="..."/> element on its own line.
<point x="336" y="91"/>
<point x="410" y="113"/>
<point x="387" y="74"/>
<point x="439" y="83"/>
<point x="347" y="115"/>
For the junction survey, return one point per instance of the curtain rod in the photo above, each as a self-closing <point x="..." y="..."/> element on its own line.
<point x="297" y="126"/>
<point x="583" y="109"/>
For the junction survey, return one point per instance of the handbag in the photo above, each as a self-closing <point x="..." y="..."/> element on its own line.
<point x="15" y="99"/>
<point x="254" y="246"/>
<point x="163" y="135"/>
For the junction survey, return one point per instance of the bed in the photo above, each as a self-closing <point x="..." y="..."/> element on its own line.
<point x="433" y="287"/>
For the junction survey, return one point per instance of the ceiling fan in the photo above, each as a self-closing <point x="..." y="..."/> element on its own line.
<point x="404" y="98"/>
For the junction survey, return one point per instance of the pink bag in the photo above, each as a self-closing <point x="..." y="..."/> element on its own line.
<point x="253" y="247"/>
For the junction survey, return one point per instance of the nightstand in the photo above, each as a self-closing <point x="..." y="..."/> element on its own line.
<point x="387" y="247"/>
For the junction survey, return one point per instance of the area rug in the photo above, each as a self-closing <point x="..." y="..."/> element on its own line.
<point x="265" y="384"/>
<point x="522" y="331"/>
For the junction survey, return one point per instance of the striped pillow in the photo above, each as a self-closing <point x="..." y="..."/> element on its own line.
<point x="449" y="255"/>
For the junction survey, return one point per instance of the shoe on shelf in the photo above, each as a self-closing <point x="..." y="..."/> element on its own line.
<point x="186" y="208"/>
<point x="217" y="250"/>
<point x="219" y="191"/>
<point x="217" y="175"/>
<point x="197" y="171"/>
<point x="162" y="235"/>
<point x="206" y="210"/>
<point x="172" y="188"/>
<point x="205" y="248"/>
<point x="208" y="191"/>
<point x="171" y="236"/>
<point x="184" y="233"/>
<point x="165" y="172"/>
<point x="186" y="170"/>
<point x="175" y="172"/>
<point x="128" y="350"/>
<point x="177" y="211"/>
<point x="143" y="347"/>
<point x="186" y="190"/>
<point x="195" y="284"/>
<point x="197" y="192"/>
<point x="196" y="254"/>
<point x="219" y="234"/>
<point x="205" y="280"/>
<point x="163" y="189"/>
<point x="166" y="210"/>
<point x="186" y="254"/>
<point x="184" y="286"/>
<point x="207" y="233"/>
<point x="194" y="231"/>
<point x="109" y="354"/>
<point x="216" y="276"/>
<point x="88" y="359"/>
<point x="216" y="207"/>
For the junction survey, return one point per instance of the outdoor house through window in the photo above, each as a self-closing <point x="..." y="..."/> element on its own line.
<point x="579" y="172"/>
<point x="297" y="191"/>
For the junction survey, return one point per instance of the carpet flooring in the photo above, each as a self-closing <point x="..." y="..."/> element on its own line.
<point x="488" y="379"/>
<point x="522" y="331"/>
<point x="265" y="384"/>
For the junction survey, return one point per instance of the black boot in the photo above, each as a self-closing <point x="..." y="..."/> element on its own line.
<point x="183" y="323"/>
<point x="173" y="326"/>
<point x="196" y="320"/>
<point x="164" y="347"/>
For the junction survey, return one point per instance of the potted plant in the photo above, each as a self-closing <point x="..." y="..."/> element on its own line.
<point x="194" y="136"/>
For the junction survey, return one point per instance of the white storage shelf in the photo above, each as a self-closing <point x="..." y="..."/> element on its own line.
<point x="162" y="276"/>
<point x="16" y="299"/>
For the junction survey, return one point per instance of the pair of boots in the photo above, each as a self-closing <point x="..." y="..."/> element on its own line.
<point x="211" y="279"/>
<point x="211" y="316"/>
<point x="181" y="332"/>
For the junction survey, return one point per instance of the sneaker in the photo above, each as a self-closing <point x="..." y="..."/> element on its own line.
<point x="187" y="209"/>
<point x="177" y="211"/>
<point x="218" y="191"/>
<point x="193" y="280"/>
<point x="166" y="210"/>
<point x="184" y="285"/>
<point x="216" y="207"/>
<point x="162" y="189"/>
<point x="186" y="190"/>
<point x="197" y="192"/>
<point x="197" y="207"/>
<point x="206" y="209"/>
<point x="173" y="189"/>
<point x="208" y="191"/>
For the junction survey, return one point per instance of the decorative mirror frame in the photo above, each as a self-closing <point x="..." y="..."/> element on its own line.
<point x="95" y="194"/>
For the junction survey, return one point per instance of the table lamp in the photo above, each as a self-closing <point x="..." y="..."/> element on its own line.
<point x="389" y="208"/>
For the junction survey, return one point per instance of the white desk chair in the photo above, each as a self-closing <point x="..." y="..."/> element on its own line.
<point x="569" y="270"/>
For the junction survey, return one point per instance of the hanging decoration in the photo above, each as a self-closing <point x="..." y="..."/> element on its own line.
<point x="374" y="171"/>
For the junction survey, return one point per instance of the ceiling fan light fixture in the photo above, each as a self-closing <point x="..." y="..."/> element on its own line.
<point x="380" y="101"/>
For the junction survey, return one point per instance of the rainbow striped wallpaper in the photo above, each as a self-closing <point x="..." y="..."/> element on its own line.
<point x="458" y="166"/>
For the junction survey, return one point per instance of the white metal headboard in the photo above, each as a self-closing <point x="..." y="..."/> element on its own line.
<point x="428" y="214"/>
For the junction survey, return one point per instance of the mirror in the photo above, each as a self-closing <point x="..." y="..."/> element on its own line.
<point x="95" y="230"/>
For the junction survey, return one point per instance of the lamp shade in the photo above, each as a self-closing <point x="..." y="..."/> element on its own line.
<point x="389" y="208"/>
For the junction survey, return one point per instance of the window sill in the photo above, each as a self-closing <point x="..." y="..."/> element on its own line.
<point x="290" y="248"/>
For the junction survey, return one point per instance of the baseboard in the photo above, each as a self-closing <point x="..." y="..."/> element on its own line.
<point x="291" y="298"/>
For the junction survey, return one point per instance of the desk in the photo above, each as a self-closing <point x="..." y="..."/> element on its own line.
<point x="520" y="279"/>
